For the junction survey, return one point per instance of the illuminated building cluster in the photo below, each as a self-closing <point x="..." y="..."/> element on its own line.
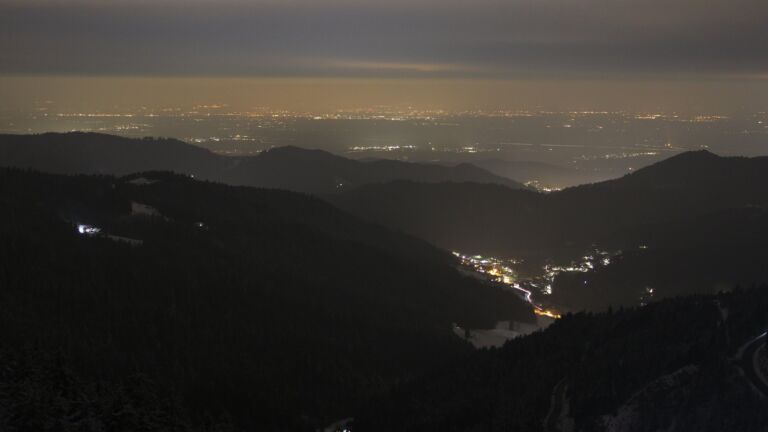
<point x="379" y="148"/>
<point x="541" y="187"/>
<point x="622" y="155"/>
<point x="495" y="269"/>
<point x="501" y="271"/>
<point x="586" y="263"/>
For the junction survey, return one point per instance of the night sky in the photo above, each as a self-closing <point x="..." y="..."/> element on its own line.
<point x="545" y="47"/>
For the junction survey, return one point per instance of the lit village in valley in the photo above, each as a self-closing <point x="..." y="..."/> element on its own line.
<point x="534" y="289"/>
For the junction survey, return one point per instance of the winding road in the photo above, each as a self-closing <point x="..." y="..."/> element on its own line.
<point x="748" y="363"/>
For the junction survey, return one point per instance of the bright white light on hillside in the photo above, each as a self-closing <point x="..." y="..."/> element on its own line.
<point x="87" y="229"/>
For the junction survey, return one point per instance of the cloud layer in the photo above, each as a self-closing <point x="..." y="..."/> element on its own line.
<point x="427" y="38"/>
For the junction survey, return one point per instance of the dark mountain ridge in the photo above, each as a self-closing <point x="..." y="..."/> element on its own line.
<point x="262" y="309"/>
<point x="546" y="174"/>
<point x="291" y="168"/>
<point x="463" y="216"/>
<point x="695" y="223"/>
<point x="91" y="153"/>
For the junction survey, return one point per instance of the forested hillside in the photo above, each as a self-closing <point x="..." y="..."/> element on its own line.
<point x="670" y="366"/>
<point x="497" y="220"/>
<point x="263" y="309"/>
<point x="695" y="223"/>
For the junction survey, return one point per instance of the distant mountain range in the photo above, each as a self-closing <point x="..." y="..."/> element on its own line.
<point x="269" y="309"/>
<point x="667" y="207"/>
<point x="290" y="168"/>
<point x="493" y="219"/>
<point x="694" y="223"/>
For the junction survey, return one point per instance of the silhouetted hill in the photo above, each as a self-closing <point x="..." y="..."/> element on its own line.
<point x="672" y="365"/>
<point x="468" y="217"/>
<point x="201" y="304"/>
<point x="685" y="169"/>
<point x="545" y="174"/>
<point x="489" y="219"/>
<point x="292" y="168"/>
<point x="685" y="186"/>
<point x="699" y="255"/>
<point x="699" y="217"/>
<point x="91" y="153"/>
<point x="317" y="171"/>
